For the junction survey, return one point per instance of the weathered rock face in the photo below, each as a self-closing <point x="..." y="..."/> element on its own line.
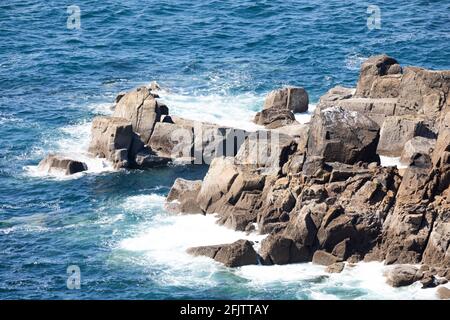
<point x="424" y="91"/>
<point x="239" y="253"/>
<point x="111" y="138"/>
<point x="141" y="109"/>
<point x="266" y="151"/>
<point x="375" y="70"/>
<point x="54" y="163"/>
<point x="172" y="141"/>
<point x="343" y="136"/>
<point x="335" y="94"/>
<point x="182" y="197"/>
<point x="415" y="147"/>
<point x="322" y="196"/>
<point x="417" y="90"/>
<point x="300" y="133"/>
<point x="290" y="98"/>
<point x="398" y="130"/>
<point x="195" y="142"/>
<point x="274" y="117"/>
<point x="275" y="249"/>
<point x="403" y="275"/>
<point x="443" y="293"/>
<point x="418" y="230"/>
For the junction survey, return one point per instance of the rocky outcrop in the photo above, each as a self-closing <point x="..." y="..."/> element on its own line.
<point x="266" y="151"/>
<point x="112" y="138"/>
<point x="195" y="142"/>
<point x="182" y="197"/>
<point x="236" y="254"/>
<point x="337" y="267"/>
<point x="54" y="163"/>
<point x="403" y="275"/>
<point x="274" y="117"/>
<point x="280" y="106"/>
<point x="294" y="99"/>
<point x="141" y="109"/>
<point x="319" y="191"/>
<point x="396" y="131"/>
<point x="344" y="136"/>
<point x="379" y="78"/>
<point x="443" y="293"/>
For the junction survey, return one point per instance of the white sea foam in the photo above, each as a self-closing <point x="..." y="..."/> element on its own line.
<point x="234" y="111"/>
<point x="353" y="61"/>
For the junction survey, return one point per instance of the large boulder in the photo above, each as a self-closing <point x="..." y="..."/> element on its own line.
<point x="403" y="275"/>
<point x="398" y="130"/>
<point x="182" y="197"/>
<point x="291" y="98"/>
<point x="266" y="151"/>
<point x="217" y="182"/>
<point x="416" y="146"/>
<point x="236" y="254"/>
<point x="193" y="141"/>
<point x="274" y="117"/>
<point x="111" y="138"/>
<point x="54" y="163"/>
<point x="424" y="91"/>
<point x="372" y="70"/>
<point x="417" y="90"/>
<point x="324" y="258"/>
<point x="344" y="136"/>
<point x="335" y="94"/>
<point x="300" y="133"/>
<point x="141" y="109"/>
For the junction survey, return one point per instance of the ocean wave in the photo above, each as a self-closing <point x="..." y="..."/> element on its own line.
<point x="353" y="61"/>
<point x="235" y="111"/>
<point x="163" y="241"/>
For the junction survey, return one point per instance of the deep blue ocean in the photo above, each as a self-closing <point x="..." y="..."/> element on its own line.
<point x="217" y="60"/>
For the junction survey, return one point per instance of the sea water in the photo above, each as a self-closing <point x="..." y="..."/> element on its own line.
<point x="216" y="60"/>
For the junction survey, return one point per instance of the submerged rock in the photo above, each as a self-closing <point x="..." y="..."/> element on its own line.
<point x="59" y="163"/>
<point x="236" y="254"/>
